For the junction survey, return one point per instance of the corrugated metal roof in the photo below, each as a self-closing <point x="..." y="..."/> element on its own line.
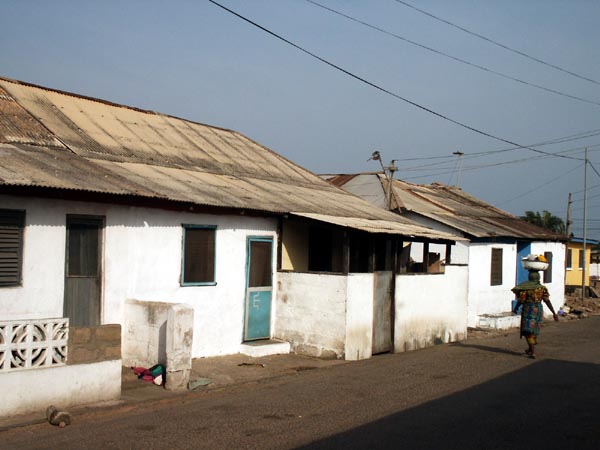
<point x="54" y="139"/>
<point x="458" y="209"/>
<point x="451" y="206"/>
<point x="405" y="228"/>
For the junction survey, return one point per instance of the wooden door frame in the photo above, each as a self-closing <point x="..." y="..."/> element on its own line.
<point x="249" y="239"/>
<point x="91" y="219"/>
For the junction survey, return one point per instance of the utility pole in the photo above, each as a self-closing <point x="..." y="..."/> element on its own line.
<point x="388" y="171"/>
<point x="583" y="272"/>
<point x="569" y="221"/>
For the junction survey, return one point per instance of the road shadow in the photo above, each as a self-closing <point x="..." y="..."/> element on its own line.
<point x="487" y="348"/>
<point x="549" y="404"/>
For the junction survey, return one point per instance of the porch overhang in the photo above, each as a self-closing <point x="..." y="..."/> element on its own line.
<point x="406" y="229"/>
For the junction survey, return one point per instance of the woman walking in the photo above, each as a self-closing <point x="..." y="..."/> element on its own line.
<point x="531" y="294"/>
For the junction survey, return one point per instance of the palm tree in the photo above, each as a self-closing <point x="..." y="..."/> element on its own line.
<point x="545" y="220"/>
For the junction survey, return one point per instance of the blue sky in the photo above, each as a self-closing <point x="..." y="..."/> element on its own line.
<point x="192" y="59"/>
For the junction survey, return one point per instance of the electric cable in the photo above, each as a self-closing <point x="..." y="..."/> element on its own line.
<point x="553" y="180"/>
<point x="455" y="58"/>
<point x="376" y="86"/>
<point x="506" y="47"/>
<point x="572" y="137"/>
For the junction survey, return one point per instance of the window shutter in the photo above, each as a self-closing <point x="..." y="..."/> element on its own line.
<point x="496" y="272"/>
<point x="199" y="255"/>
<point x="11" y="246"/>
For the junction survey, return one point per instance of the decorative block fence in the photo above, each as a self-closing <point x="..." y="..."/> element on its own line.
<point x="31" y="344"/>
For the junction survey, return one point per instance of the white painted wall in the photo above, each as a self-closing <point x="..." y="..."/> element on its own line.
<point x="557" y="286"/>
<point x="482" y="297"/>
<point x="311" y="312"/>
<point x="24" y="391"/>
<point x="430" y="309"/>
<point x="142" y="260"/>
<point x="359" y="316"/>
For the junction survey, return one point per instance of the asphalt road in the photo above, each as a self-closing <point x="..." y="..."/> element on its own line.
<point x="479" y="394"/>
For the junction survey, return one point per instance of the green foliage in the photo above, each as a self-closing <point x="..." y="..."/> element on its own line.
<point x="545" y="220"/>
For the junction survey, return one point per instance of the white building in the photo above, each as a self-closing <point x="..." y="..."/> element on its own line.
<point x="196" y="240"/>
<point x="493" y="244"/>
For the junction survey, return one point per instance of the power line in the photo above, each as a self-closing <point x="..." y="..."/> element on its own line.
<point x="491" y="152"/>
<point x="552" y="180"/>
<point x="376" y="86"/>
<point x="455" y="58"/>
<point x="506" y="47"/>
<point x="433" y="164"/>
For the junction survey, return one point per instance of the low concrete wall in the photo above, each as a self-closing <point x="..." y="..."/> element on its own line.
<point x="311" y="313"/>
<point x="145" y="333"/>
<point x="25" y="391"/>
<point x="430" y="309"/>
<point x="160" y="333"/>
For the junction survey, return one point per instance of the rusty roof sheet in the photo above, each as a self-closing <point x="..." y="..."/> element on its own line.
<point x="448" y="205"/>
<point x="59" y="140"/>
<point x="454" y="207"/>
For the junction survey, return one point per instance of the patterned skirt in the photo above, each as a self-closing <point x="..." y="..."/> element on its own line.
<point x="531" y="317"/>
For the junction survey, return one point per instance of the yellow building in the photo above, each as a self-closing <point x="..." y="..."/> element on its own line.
<point x="574" y="262"/>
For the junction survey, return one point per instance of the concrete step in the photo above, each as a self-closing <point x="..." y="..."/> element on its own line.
<point x="265" y="347"/>
<point x="500" y="321"/>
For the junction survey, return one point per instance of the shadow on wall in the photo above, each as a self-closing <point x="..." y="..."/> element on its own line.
<point x="547" y="405"/>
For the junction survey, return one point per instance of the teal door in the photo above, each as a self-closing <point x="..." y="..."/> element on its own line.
<point x="259" y="289"/>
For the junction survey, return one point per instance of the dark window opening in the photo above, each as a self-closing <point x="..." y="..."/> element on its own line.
<point x="11" y="246"/>
<point x="581" y="259"/>
<point x="325" y="249"/>
<point x="320" y="249"/>
<point x="569" y="259"/>
<point x="360" y="253"/>
<point x="198" y="255"/>
<point x="548" y="271"/>
<point x="496" y="270"/>
<point x="260" y="272"/>
<point x="383" y="253"/>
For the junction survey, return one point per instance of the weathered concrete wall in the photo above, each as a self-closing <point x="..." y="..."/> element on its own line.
<point x="180" y="336"/>
<point x="484" y="298"/>
<point x="145" y="333"/>
<point x="41" y="293"/>
<point x="142" y="260"/>
<point x="359" y="316"/>
<point x="94" y="344"/>
<point x="311" y="313"/>
<point x="430" y="309"/>
<point x="25" y="391"/>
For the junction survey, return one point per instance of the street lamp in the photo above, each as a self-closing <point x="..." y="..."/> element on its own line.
<point x="388" y="171"/>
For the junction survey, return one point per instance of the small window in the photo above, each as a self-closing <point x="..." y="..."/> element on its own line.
<point x="496" y="271"/>
<point x="198" y="255"/>
<point x="548" y="271"/>
<point x="569" y="259"/>
<point x="581" y="259"/>
<point x="11" y="246"/>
